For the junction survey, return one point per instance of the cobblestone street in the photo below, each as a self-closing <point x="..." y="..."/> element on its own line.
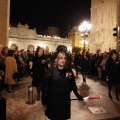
<point x="17" y="109"/>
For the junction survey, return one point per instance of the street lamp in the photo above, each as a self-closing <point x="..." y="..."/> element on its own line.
<point x="84" y="28"/>
<point x="84" y="41"/>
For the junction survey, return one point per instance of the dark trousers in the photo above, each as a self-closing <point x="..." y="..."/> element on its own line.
<point x="2" y="108"/>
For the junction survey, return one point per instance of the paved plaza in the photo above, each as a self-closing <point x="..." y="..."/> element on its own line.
<point x="94" y="109"/>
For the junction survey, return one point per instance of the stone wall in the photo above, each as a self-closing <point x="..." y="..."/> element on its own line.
<point x="103" y="20"/>
<point x="4" y="21"/>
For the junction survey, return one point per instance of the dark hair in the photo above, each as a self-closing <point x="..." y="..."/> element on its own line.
<point x="10" y="53"/>
<point x="36" y="52"/>
<point x="112" y="52"/>
<point x="61" y="48"/>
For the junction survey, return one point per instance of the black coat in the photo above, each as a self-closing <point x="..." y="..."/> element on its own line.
<point x="77" y="60"/>
<point x="58" y="85"/>
<point x="17" y="61"/>
<point x="84" y="64"/>
<point x="113" y="71"/>
<point x="39" y="70"/>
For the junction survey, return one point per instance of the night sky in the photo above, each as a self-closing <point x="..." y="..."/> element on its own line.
<point x="41" y="14"/>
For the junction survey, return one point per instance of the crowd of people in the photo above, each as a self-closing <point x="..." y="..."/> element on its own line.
<point x="15" y="65"/>
<point x="92" y="64"/>
<point x="105" y="67"/>
<point x="52" y="74"/>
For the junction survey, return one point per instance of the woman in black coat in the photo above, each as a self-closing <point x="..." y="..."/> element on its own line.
<point x="113" y="73"/>
<point x="58" y="84"/>
<point x="39" y="67"/>
<point x="84" y="64"/>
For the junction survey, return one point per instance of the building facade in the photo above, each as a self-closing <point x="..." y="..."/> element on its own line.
<point x="77" y="39"/>
<point x="4" y="21"/>
<point x="105" y="16"/>
<point x="27" y="39"/>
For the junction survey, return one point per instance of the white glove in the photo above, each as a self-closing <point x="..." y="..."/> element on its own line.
<point x="107" y="78"/>
<point x="85" y="99"/>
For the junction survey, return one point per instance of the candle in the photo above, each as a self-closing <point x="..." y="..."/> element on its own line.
<point x="95" y="97"/>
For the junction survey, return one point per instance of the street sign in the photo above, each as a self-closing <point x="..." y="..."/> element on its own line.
<point x="97" y="110"/>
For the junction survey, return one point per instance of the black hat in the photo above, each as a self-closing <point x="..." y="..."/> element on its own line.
<point x="113" y="52"/>
<point x="61" y="48"/>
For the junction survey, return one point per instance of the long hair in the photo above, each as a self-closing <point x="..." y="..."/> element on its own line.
<point x="36" y="52"/>
<point x="60" y="54"/>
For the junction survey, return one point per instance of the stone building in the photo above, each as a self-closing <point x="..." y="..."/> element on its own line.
<point x="77" y="39"/>
<point x="27" y="39"/>
<point x="105" y="15"/>
<point x="4" y="21"/>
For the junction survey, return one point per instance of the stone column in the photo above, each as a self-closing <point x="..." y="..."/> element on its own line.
<point x="4" y="21"/>
<point x="118" y="12"/>
<point x="118" y="23"/>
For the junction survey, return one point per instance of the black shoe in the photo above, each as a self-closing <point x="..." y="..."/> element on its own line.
<point x="117" y="97"/>
<point x="38" y="97"/>
<point x="110" y="96"/>
<point x="76" y="74"/>
<point x="84" y="79"/>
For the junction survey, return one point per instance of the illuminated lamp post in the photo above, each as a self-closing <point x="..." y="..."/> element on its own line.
<point x="84" y="28"/>
<point x="84" y="42"/>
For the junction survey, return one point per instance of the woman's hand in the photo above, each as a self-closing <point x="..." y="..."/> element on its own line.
<point x="106" y="78"/>
<point x="117" y="63"/>
<point x="85" y="99"/>
<point x="43" y="61"/>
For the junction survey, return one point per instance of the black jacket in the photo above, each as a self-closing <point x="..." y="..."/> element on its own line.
<point x="58" y="85"/>
<point x="39" y="70"/>
<point x="84" y="64"/>
<point x="113" y="71"/>
<point x="77" y="60"/>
